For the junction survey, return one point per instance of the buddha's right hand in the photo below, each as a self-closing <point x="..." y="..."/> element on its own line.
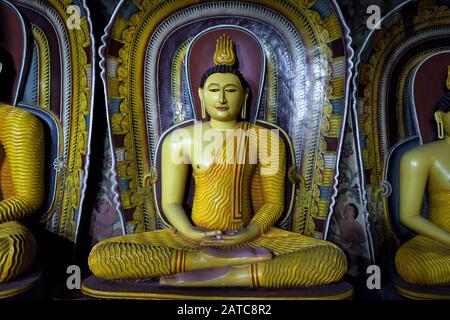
<point x="199" y="234"/>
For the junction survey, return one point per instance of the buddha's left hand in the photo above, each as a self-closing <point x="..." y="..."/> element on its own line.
<point x="229" y="239"/>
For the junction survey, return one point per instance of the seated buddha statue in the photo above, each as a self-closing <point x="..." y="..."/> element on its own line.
<point x="227" y="239"/>
<point x="21" y="187"/>
<point x="425" y="259"/>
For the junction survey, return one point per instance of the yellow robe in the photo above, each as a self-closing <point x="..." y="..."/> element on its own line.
<point x="21" y="187"/>
<point x="422" y="260"/>
<point x="222" y="202"/>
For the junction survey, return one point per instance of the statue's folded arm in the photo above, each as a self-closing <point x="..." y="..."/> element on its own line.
<point x="272" y="172"/>
<point x="22" y="138"/>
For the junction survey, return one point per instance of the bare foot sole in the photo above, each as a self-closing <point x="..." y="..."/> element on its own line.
<point x="239" y="253"/>
<point x="219" y="277"/>
<point x="209" y="258"/>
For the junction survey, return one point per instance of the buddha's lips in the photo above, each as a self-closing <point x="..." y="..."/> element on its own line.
<point x="222" y="108"/>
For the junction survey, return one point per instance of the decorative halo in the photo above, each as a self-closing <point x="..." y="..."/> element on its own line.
<point x="250" y="61"/>
<point x="429" y="87"/>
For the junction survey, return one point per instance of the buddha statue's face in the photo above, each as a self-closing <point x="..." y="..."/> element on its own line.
<point x="223" y="96"/>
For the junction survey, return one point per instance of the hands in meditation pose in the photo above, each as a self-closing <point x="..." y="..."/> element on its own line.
<point x="425" y="259"/>
<point x="229" y="238"/>
<point x="21" y="187"/>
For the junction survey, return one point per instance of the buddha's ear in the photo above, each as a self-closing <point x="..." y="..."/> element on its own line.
<point x="246" y="96"/>
<point x="202" y="103"/>
<point x="438" y="116"/>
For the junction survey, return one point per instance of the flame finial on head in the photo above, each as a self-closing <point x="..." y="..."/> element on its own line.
<point x="224" y="54"/>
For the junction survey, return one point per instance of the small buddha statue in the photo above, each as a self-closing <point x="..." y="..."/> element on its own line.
<point x="227" y="240"/>
<point x="425" y="259"/>
<point x="21" y="187"/>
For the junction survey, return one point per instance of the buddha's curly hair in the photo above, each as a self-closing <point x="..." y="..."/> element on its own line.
<point x="444" y="104"/>
<point x="223" y="69"/>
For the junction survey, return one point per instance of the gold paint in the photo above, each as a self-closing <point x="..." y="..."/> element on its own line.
<point x="79" y="41"/>
<point x="423" y="253"/>
<point x="17" y="250"/>
<point x="69" y="182"/>
<point x="133" y="34"/>
<point x="176" y="75"/>
<point x="22" y="139"/>
<point x="299" y="260"/>
<point x="428" y="164"/>
<point x="224" y="54"/>
<point x="222" y="203"/>
<point x="44" y="76"/>
<point x="21" y="187"/>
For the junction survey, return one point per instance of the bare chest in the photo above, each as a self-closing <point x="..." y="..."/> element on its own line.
<point x="440" y="171"/>
<point x="204" y="153"/>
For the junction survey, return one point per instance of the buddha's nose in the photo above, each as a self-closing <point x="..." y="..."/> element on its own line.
<point x="222" y="98"/>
